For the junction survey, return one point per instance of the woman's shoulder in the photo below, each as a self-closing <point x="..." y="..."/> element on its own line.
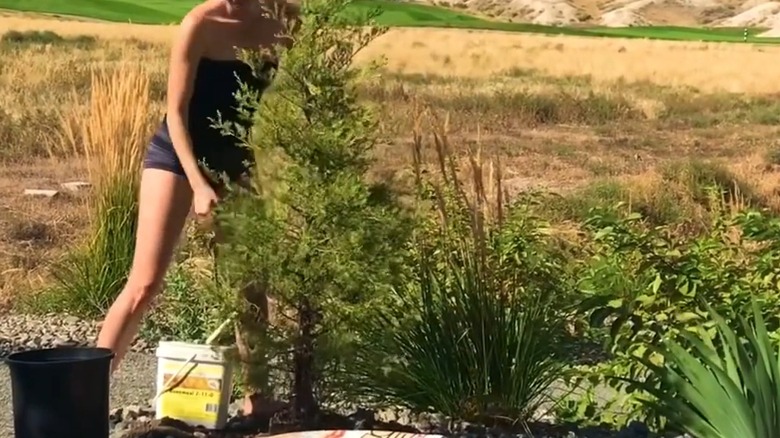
<point x="202" y="14"/>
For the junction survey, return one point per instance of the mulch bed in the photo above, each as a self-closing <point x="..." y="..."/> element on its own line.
<point x="255" y="426"/>
<point x="281" y="422"/>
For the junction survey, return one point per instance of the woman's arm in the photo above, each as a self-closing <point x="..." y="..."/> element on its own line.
<point x="185" y="55"/>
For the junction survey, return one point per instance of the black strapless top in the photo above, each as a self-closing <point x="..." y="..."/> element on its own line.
<point x="214" y="97"/>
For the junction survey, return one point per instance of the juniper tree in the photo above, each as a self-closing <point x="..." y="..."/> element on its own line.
<point x="310" y="231"/>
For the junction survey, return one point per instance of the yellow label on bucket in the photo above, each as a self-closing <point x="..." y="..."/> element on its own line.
<point x="196" y="396"/>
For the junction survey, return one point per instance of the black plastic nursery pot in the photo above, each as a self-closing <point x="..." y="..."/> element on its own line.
<point x="61" y="392"/>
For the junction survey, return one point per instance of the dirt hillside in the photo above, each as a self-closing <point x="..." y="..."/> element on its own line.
<point x="620" y="13"/>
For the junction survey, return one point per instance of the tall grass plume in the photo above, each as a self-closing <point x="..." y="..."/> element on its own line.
<point x="474" y="335"/>
<point x="110" y="133"/>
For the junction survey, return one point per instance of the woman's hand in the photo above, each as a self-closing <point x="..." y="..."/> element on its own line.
<point x="204" y="199"/>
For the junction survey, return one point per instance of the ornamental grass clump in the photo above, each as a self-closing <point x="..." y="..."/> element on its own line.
<point x="110" y="133"/>
<point x="474" y="332"/>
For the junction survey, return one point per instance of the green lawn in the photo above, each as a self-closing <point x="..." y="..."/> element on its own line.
<point x="394" y="14"/>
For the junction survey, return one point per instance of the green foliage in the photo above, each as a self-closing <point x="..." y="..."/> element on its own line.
<point x="190" y="308"/>
<point x="647" y="286"/>
<point x="652" y="283"/>
<point x="723" y="389"/>
<point x="310" y="231"/>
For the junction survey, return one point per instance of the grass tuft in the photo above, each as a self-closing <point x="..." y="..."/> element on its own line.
<point x="110" y="133"/>
<point x="473" y="336"/>
<point x="45" y="37"/>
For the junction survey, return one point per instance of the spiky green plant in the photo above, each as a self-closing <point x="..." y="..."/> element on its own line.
<point x="468" y="352"/>
<point x="723" y="388"/>
<point x="473" y="334"/>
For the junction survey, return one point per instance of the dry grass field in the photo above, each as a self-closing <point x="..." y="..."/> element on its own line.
<point x="596" y="120"/>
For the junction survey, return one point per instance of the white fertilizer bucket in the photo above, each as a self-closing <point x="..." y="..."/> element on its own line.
<point x="194" y="383"/>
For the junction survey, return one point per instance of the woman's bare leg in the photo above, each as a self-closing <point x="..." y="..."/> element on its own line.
<point x="164" y="203"/>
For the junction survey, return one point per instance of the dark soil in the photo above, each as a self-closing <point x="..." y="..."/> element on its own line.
<point x="259" y="426"/>
<point x="281" y="422"/>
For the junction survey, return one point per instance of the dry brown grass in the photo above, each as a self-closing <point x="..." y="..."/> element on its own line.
<point x="35" y="231"/>
<point x="112" y="31"/>
<point x="482" y="54"/>
<point x="109" y="134"/>
<point x="573" y="115"/>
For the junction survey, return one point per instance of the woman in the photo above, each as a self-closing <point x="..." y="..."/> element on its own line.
<point x="202" y="81"/>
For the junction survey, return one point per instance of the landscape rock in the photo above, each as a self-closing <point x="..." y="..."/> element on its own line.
<point x="75" y="186"/>
<point x="41" y="193"/>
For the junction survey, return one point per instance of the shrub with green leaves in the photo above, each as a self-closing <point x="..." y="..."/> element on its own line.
<point x="311" y="232"/>
<point x="723" y="389"/>
<point x="190" y="308"/>
<point x="646" y="286"/>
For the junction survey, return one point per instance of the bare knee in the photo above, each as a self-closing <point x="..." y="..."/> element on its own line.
<point x="140" y="291"/>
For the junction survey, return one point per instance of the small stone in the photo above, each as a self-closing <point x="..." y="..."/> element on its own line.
<point x="386" y="415"/>
<point x="132" y="412"/>
<point x="71" y="320"/>
<point x="403" y="417"/>
<point x="75" y="186"/>
<point x="41" y="193"/>
<point x="65" y="343"/>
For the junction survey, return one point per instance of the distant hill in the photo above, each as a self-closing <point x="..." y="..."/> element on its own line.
<point x="621" y="13"/>
<point x="585" y="16"/>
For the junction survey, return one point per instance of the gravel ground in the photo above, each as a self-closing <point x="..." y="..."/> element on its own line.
<point x="19" y="332"/>
<point x="132" y="386"/>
